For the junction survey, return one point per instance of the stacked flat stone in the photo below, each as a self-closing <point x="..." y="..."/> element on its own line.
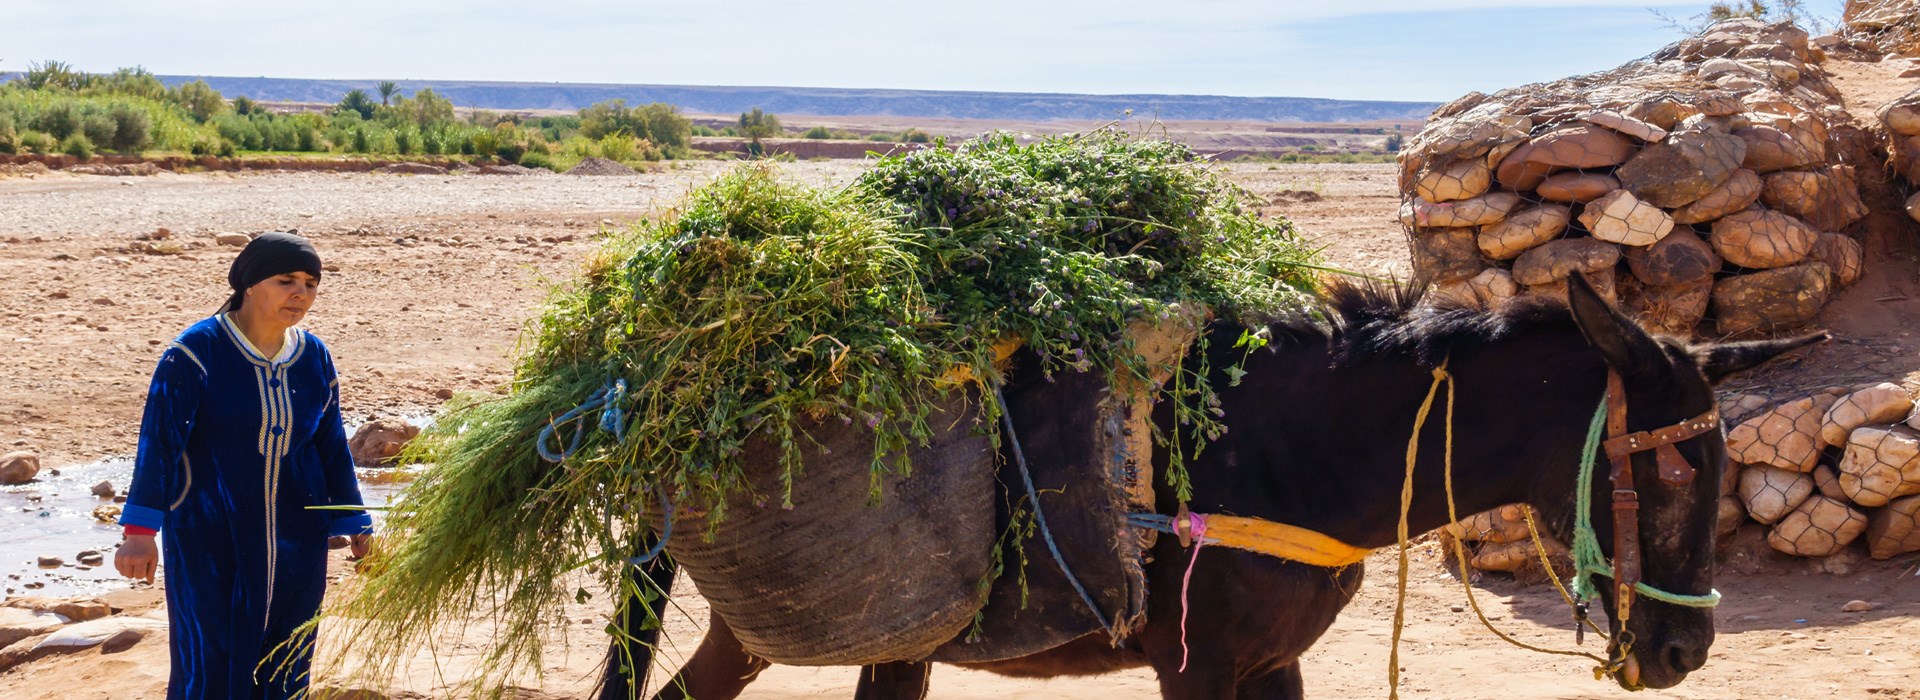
<point x="1702" y="178"/>
<point x="1900" y="120"/>
<point x="1498" y="540"/>
<point x="1826" y="470"/>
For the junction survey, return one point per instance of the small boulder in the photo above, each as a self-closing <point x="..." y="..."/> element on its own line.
<point x="1762" y="239"/>
<point x="1567" y="148"/>
<point x="1787" y="437"/>
<point x="1674" y="310"/>
<point x="1778" y="299"/>
<point x="1619" y="217"/>
<point x="1679" y="258"/>
<point x="18" y="623"/>
<point x="1819" y="527"/>
<point x="1826" y="482"/>
<point x="1552" y="261"/>
<point x="77" y="609"/>
<point x="1826" y="200"/>
<point x="1478" y="211"/>
<point x="1625" y="125"/>
<point x="1895" y="529"/>
<point x="234" y="239"/>
<point x="1493" y="286"/>
<point x="1740" y="191"/>
<point x="18" y="468"/>
<point x="103" y="489"/>
<point x="1730" y="516"/>
<point x="87" y="635"/>
<point x="1842" y="254"/>
<point x="1573" y="187"/>
<point x="1902" y="116"/>
<point x="1771" y="149"/>
<point x="377" y="442"/>
<point x="1522" y="230"/>
<point x="1769" y="494"/>
<point x="1881" y="464"/>
<point x="1881" y="404"/>
<point x="1691" y="162"/>
<point x="1460" y="179"/>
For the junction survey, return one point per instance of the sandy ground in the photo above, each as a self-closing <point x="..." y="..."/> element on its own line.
<point x="430" y="277"/>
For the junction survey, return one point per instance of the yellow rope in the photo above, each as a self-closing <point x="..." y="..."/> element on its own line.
<point x="1540" y="548"/>
<point x="1406" y="504"/>
<point x="1441" y="376"/>
<point x="1460" y="550"/>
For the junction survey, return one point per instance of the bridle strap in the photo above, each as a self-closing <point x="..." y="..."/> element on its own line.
<point x="1626" y="501"/>
<point x="1674" y="468"/>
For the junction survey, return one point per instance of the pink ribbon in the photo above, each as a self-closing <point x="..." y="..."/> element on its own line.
<point x="1198" y="524"/>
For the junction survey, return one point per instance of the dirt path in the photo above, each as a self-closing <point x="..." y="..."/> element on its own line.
<point x="434" y="275"/>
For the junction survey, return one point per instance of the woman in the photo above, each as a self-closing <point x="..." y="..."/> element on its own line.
<point x="242" y="434"/>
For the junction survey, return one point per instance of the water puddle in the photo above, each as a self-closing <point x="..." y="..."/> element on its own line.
<point x="53" y="516"/>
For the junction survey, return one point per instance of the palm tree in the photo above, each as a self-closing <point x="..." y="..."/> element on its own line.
<point x="387" y="90"/>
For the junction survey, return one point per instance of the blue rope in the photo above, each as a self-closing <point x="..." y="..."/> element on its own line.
<point x="613" y="419"/>
<point x="1040" y="518"/>
<point x="1160" y="523"/>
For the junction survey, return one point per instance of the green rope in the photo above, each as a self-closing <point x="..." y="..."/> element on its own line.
<point x="1588" y="561"/>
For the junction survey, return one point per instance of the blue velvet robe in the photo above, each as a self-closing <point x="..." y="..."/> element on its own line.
<point x="233" y="448"/>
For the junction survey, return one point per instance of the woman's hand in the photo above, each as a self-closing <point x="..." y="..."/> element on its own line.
<point x="137" y="557"/>
<point x="362" y="544"/>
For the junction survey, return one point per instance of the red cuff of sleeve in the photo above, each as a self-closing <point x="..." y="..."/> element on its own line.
<point x="137" y="530"/>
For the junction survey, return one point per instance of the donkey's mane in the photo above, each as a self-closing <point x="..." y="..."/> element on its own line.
<point x="1362" y="319"/>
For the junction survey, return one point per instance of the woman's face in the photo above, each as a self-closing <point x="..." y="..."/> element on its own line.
<point x="283" y="298"/>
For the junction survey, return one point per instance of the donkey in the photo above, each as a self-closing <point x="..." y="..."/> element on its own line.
<point x="1318" y="431"/>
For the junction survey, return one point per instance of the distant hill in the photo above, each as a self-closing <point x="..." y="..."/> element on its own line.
<point x="836" y="102"/>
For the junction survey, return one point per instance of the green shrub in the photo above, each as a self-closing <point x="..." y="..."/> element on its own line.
<point x="98" y="128"/>
<point x="915" y="136"/>
<point x="9" y="141"/>
<point x="59" y="119"/>
<point x="537" y="160"/>
<point x="818" y="132"/>
<point x="205" y="145"/>
<point x="37" y="141"/>
<point x="78" y="146"/>
<point x="482" y="143"/>
<point x="133" y="131"/>
<point x="199" y="99"/>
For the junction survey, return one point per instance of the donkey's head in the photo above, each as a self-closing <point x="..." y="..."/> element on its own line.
<point x="1667" y="384"/>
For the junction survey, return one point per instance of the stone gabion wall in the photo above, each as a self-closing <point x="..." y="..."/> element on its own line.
<point x="1837" y="469"/>
<point x="1900" y="121"/>
<point x="1826" y="470"/>
<point x="1698" y="184"/>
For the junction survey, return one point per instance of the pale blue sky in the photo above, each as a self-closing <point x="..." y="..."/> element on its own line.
<point x="1354" y="49"/>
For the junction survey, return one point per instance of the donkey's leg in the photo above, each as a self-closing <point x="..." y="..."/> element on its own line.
<point x="1281" y="684"/>
<point x="631" y="656"/>
<point x="900" y="680"/>
<point x="719" y="669"/>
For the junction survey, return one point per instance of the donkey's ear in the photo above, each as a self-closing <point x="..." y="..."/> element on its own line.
<point x="1721" y="360"/>
<point x="1620" y="340"/>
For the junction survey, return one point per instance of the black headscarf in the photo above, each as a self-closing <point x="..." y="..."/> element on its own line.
<point x="265" y="257"/>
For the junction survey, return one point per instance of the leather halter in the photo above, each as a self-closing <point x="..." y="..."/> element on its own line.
<point x="1673" y="469"/>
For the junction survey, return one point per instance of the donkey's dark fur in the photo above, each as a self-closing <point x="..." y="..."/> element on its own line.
<point x="1318" y="430"/>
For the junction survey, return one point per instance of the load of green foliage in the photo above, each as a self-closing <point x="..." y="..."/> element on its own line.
<point x="760" y="304"/>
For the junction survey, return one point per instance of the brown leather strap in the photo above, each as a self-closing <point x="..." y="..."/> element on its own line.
<point x="1674" y="468"/>
<point x="1626" y="501"/>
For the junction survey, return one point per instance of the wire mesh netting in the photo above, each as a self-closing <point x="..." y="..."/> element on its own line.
<point x="1713" y="190"/>
<point x="1703" y="183"/>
